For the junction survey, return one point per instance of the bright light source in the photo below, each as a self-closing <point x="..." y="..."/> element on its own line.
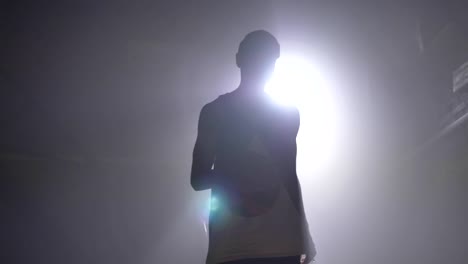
<point x="297" y="82"/>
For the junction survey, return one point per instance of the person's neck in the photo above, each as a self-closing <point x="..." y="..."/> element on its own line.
<point x="250" y="88"/>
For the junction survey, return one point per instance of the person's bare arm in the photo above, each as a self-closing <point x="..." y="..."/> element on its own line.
<point x="290" y="134"/>
<point x="290" y="155"/>
<point x="201" y="177"/>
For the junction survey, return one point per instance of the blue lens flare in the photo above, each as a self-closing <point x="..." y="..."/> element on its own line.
<point x="214" y="203"/>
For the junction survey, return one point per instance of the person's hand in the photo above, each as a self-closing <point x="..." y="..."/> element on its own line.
<point x="309" y="256"/>
<point x="306" y="259"/>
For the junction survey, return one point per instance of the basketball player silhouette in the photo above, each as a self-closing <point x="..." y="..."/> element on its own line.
<point x="245" y="152"/>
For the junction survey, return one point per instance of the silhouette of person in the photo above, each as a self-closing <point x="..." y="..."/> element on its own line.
<point x="245" y="152"/>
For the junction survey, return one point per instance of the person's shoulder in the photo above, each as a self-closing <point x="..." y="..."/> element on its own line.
<point x="291" y="110"/>
<point x="219" y="101"/>
<point x="287" y="111"/>
<point x="223" y="98"/>
<point x="215" y="105"/>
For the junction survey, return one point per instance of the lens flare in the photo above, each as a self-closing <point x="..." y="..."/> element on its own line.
<point x="214" y="204"/>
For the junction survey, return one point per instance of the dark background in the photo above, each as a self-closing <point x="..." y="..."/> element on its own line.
<point x="99" y="106"/>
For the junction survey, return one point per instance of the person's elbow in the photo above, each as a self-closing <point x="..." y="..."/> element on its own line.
<point x="196" y="186"/>
<point x="197" y="183"/>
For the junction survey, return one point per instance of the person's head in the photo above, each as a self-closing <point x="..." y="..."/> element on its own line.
<point x="257" y="55"/>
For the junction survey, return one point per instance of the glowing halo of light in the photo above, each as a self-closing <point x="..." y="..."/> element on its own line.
<point x="297" y="82"/>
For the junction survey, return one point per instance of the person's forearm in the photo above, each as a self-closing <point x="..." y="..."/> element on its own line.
<point x="202" y="180"/>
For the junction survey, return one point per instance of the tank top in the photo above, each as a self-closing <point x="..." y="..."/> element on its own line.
<point x="252" y="214"/>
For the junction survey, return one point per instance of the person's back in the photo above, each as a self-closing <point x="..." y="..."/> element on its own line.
<point x="246" y="153"/>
